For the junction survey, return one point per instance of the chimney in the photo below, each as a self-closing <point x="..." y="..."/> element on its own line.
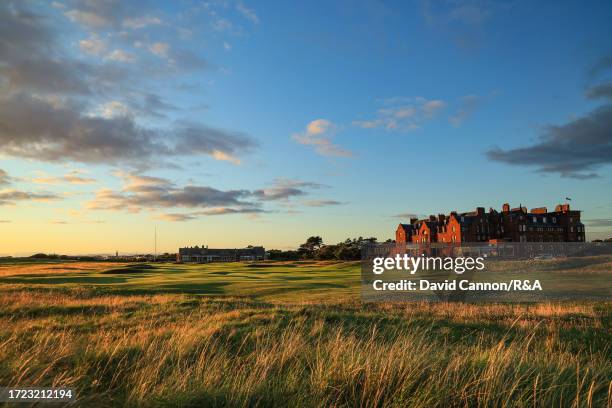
<point x="539" y="210"/>
<point x="480" y="210"/>
<point x="413" y="221"/>
<point x="432" y="218"/>
<point x="506" y="207"/>
<point x="441" y="217"/>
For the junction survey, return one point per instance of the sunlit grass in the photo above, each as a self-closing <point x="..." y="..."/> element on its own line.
<point x="121" y="347"/>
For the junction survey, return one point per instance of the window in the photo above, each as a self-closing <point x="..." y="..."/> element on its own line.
<point x="554" y="220"/>
<point x="453" y="229"/>
<point x="571" y="229"/>
<point x="544" y="220"/>
<point x="535" y="220"/>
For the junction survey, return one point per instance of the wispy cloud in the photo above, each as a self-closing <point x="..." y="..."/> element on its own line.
<point x="468" y="104"/>
<point x="319" y="134"/>
<point x="322" y="203"/>
<point x="4" y="178"/>
<point x="182" y="217"/>
<point x="405" y="215"/>
<point x="136" y="23"/>
<point x="403" y="114"/>
<point x="284" y="189"/>
<point x="248" y="13"/>
<point x="12" y="196"/>
<point x="463" y="22"/>
<point x="72" y="177"/>
<point x="599" y="222"/>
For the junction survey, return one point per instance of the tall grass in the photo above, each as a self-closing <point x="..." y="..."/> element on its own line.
<point x="174" y="350"/>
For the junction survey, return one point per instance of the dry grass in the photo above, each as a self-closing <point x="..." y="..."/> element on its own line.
<point x="176" y="350"/>
<point x="54" y="268"/>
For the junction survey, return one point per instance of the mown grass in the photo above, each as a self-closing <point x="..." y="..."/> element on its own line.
<point x="274" y="340"/>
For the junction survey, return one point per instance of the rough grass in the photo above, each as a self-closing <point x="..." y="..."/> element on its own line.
<point x="122" y="348"/>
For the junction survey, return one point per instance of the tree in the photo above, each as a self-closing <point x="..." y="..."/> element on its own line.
<point x="327" y="252"/>
<point x="308" y="248"/>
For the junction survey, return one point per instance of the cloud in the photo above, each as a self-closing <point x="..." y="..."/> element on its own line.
<point x="229" y="210"/>
<point x="10" y="197"/>
<point x="322" y="203"/>
<point x="247" y="12"/>
<point x="135" y="23"/>
<point x="87" y="18"/>
<point x="600" y="66"/>
<point x="93" y="46"/>
<point x="430" y="108"/>
<point x="176" y="217"/>
<point x="113" y="109"/>
<point x="319" y="133"/>
<point x="467" y="106"/>
<point x="406" y="216"/>
<point x="72" y="177"/>
<point x="160" y="49"/>
<point x="599" y="222"/>
<point x="403" y="114"/>
<point x="602" y="91"/>
<point x="181" y="217"/>
<point x="575" y="149"/>
<point x="4" y="221"/>
<point x="145" y="192"/>
<point x="572" y="150"/>
<point x="464" y="22"/>
<point x="100" y="14"/>
<point x="56" y="108"/>
<point x="4" y="178"/>
<point x="121" y="56"/>
<point x="284" y="189"/>
<point x="39" y="129"/>
<point x="142" y="192"/>
<point x="222" y="24"/>
<point x="177" y="58"/>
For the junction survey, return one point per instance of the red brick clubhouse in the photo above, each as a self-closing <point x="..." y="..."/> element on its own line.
<point x="510" y="225"/>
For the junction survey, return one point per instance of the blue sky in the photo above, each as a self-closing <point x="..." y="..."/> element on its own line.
<point x="233" y="123"/>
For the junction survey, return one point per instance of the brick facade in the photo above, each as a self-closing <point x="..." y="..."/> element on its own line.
<point x="511" y="225"/>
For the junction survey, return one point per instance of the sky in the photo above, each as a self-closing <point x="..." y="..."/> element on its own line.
<point x="234" y="123"/>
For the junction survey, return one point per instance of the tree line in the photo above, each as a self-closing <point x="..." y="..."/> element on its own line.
<point x="314" y="248"/>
